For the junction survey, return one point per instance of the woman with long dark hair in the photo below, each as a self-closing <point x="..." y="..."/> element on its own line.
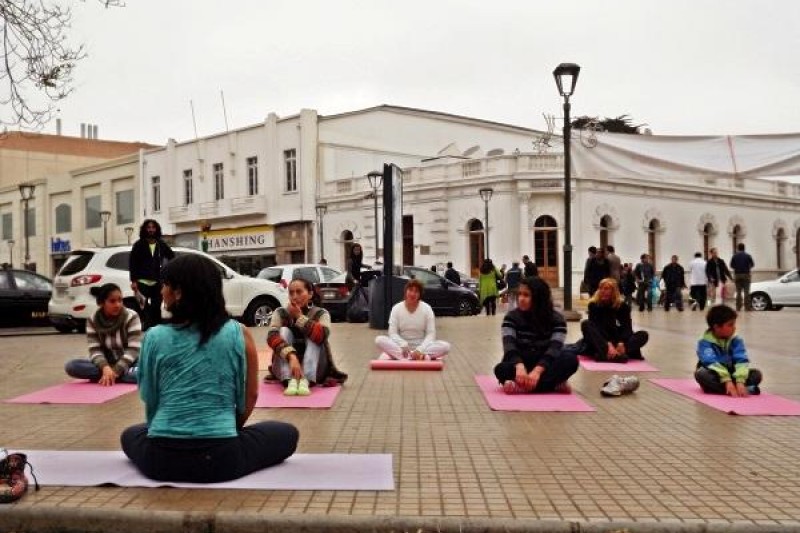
<point x="198" y="379"/>
<point x="533" y="340"/>
<point x="355" y="262"/>
<point x="487" y="286"/>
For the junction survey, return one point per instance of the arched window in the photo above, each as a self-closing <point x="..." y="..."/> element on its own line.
<point x="476" y="245"/>
<point x="736" y="237"/>
<point x="347" y="242"/>
<point x="708" y="232"/>
<point x="63" y="218"/>
<point x="652" y="241"/>
<point x="605" y="225"/>
<point x="545" y="248"/>
<point x="780" y="238"/>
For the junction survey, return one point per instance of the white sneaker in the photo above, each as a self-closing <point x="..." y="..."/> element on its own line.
<point x="619" y="385"/>
<point x="291" y="388"/>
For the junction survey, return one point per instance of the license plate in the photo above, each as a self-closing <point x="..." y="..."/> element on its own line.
<point x="329" y="295"/>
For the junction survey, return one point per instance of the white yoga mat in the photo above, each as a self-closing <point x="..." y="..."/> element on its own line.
<point x="300" y="472"/>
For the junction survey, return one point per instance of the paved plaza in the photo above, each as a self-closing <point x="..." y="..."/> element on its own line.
<point x="651" y="458"/>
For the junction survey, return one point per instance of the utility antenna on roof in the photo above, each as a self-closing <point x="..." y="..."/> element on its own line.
<point x="196" y="139"/>
<point x="227" y="130"/>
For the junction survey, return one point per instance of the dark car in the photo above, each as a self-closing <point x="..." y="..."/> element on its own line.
<point x="445" y="297"/>
<point x="23" y="298"/>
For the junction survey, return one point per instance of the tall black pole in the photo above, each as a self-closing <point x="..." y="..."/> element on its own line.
<point x="567" y="209"/>
<point x="27" y="242"/>
<point x="486" y="221"/>
<point x="375" y="208"/>
<point x="321" y="239"/>
<point x="105" y="234"/>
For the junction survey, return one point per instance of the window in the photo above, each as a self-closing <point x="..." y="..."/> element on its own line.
<point x="290" y="156"/>
<point x="119" y="261"/>
<point x="125" y="207"/>
<point x="779" y="239"/>
<point x="329" y="273"/>
<point x="306" y="273"/>
<point x="30" y="281"/>
<point x="426" y="277"/>
<point x="8" y="227"/>
<point x="155" y="185"/>
<point x="652" y="241"/>
<point x="188" y="187"/>
<point x="736" y="237"/>
<point x="63" y="218"/>
<point x="219" y="183"/>
<point x="605" y="225"/>
<point x="708" y="232"/>
<point x="92" y="212"/>
<point x="252" y="176"/>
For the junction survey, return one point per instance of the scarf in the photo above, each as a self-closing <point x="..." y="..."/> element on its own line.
<point x="109" y="325"/>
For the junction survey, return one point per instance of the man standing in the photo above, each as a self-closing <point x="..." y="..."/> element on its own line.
<point x="742" y="264"/>
<point x="597" y="270"/>
<point x="530" y="268"/>
<point x="674" y="279"/>
<point x="451" y="274"/>
<point x="513" y="277"/>
<point x="718" y="273"/>
<point x="698" y="280"/>
<point x="585" y="282"/>
<point x="148" y="255"/>
<point x="644" y="273"/>
<point x="614" y="263"/>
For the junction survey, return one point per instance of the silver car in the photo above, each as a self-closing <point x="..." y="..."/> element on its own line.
<point x="776" y="294"/>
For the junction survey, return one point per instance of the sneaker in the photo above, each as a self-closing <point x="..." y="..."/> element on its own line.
<point x="291" y="388"/>
<point x="302" y="388"/>
<point x="753" y="390"/>
<point x="619" y="385"/>
<point x="511" y="387"/>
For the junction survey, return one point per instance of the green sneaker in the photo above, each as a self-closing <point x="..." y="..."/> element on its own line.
<point x="291" y="388"/>
<point x="302" y="388"/>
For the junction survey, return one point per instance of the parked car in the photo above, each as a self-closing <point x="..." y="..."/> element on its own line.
<point x="445" y="297"/>
<point x="468" y="282"/>
<point x="23" y="297"/>
<point x="249" y="299"/>
<point x="776" y="294"/>
<point x="283" y="274"/>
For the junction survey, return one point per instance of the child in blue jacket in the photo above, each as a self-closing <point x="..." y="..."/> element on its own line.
<point x="723" y="366"/>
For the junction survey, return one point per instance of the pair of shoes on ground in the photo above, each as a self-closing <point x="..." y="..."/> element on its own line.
<point x="619" y="385"/>
<point x="510" y="387"/>
<point x="297" y="387"/>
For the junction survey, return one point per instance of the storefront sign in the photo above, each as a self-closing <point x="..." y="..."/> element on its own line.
<point x="57" y="246"/>
<point x="249" y="238"/>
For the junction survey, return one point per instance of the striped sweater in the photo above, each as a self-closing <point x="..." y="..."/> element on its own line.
<point x="313" y="325"/>
<point x="119" y="348"/>
<point x="527" y="341"/>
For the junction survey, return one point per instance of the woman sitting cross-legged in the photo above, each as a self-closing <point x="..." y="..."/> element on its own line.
<point x="534" y="359"/>
<point x="608" y="332"/>
<point x="114" y="333"/>
<point x="412" y="328"/>
<point x="298" y="335"/>
<point x="198" y="378"/>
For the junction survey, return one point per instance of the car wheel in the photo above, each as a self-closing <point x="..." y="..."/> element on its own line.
<point x="259" y="312"/>
<point x="464" y="307"/>
<point x="64" y="329"/>
<point x="760" y="301"/>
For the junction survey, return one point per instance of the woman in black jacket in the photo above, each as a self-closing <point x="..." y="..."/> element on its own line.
<point x="148" y="255"/>
<point x="608" y="332"/>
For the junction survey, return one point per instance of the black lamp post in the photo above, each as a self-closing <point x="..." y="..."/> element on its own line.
<point x="375" y="181"/>
<point x="11" y="252"/>
<point x="486" y="195"/>
<point x="566" y="75"/>
<point x="129" y="232"/>
<point x="105" y="216"/>
<point x="26" y="192"/>
<point x="321" y="210"/>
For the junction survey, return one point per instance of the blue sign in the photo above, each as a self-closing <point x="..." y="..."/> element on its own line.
<point x="57" y="246"/>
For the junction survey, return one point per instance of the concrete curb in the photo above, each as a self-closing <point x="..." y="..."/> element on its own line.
<point x="41" y="519"/>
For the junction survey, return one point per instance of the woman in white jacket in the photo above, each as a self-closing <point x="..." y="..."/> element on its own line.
<point x="412" y="329"/>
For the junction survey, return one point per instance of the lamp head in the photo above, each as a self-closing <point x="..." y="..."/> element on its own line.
<point x="322" y="209"/>
<point x="26" y="190"/>
<point x="375" y="179"/>
<point x="566" y="75"/>
<point x="486" y="193"/>
<point x="105" y="215"/>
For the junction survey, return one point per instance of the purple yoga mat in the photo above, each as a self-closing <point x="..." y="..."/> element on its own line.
<point x="763" y="404"/>
<point x="76" y="392"/>
<point x="500" y="401"/>
<point x="633" y="365"/>
<point x="271" y="395"/>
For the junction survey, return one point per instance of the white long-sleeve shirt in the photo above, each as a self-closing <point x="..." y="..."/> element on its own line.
<point x="697" y="272"/>
<point x="414" y="330"/>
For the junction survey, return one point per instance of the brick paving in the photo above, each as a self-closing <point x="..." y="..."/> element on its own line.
<point x="649" y="457"/>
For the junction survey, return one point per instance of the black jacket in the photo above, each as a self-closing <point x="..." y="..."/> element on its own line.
<point x="673" y="276"/>
<point x="526" y="341"/>
<point x="144" y="265"/>
<point x="717" y="270"/>
<point x="531" y="270"/>
<point x="451" y="274"/>
<point x="615" y="324"/>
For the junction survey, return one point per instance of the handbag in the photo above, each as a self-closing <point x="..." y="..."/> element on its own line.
<point x="13" y="483"/>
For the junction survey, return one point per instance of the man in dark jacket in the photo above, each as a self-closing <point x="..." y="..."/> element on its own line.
<point x="451" y="274"/>
<point x="598" y="269"/>
<point x="530" y="270"/>
<point x="717" y="273"/>
<point x="742" y="264"/>
<point x="148" y="255"/>
<point x="644" y="273"/>
<point x="674" y="280"/>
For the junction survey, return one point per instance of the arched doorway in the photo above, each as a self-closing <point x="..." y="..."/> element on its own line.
<point x="652" y="241"/>
<point x="780" y="238"/>
<point x="476" y="246"/>
<point x="347" y="245"/>
<point x="605" y="225"/>
<point x="736" y="237"/>
<point x="545" y="248"/>
<point x="708" y="231"/>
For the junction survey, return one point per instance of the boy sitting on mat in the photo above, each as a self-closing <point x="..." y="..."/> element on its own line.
<point x="534" y="358"/>
<point x="412" y="329"/>
<point x="723" y="366"/>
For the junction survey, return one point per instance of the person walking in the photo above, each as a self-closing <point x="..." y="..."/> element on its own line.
<point x="674" y="278"/>
<point x="698" y="281"/>
<point x="592" y="251"/>
<point x="718" y="273"/>
<point x="148" y="256"/>
<point x="742" y="265"/>
<point x="513" y="277"/>
<point x="614" y="263"/>
<point x="644" y="274"/>
<point x="451" y="274"/>
<point x="487" y="286"/>
<point x="530" y="269"/>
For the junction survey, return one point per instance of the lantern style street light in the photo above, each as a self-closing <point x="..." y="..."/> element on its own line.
<point x="128" y="233"/>
<point x="105" y="216"/>
<point x="375" y="179"/>
<point x="321" y="210"/>
<point x="486" y="195"/>
<point x="26" y="192"/>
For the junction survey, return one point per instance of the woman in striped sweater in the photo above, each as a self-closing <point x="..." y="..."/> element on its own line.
<point x="534" y="359"/>
<point x="298" y="335"/>
<point x="114" y="333"/>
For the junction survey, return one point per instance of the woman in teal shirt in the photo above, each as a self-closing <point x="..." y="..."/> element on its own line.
<point x="198" y="379"/>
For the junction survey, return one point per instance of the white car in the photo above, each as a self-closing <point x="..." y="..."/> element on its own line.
<point x="283" y="274"/>
<point x="248" y="299"/>
<point x="775" y="294"/>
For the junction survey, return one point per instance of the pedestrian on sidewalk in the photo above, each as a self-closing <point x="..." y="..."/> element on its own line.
<point x="644" y="273"/>
<point x="674" y="278"/>
<point x="718" y="274"/>
<point x="698" y="282"/>
<point x="513" y="277"/>
<point x="487" y="286"/>
<point x="742" y="265"/>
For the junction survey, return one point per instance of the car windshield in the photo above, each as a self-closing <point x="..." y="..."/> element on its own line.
<point x="271" y="273"/>
<point x="76" y="262"/>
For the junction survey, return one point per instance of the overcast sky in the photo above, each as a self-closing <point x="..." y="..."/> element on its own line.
<point x="684" y="67"/>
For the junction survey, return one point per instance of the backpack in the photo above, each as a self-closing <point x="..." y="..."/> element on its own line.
<point x="13" y="483"/>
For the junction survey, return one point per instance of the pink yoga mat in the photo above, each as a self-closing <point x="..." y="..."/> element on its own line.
<point x="76" y="392"/>
<point x="633" y="365"/>
<point x="500" y="401"/>
<point x="763" y="404"/>
<point x="384" y="362"/>
<point x="271" y="395"/>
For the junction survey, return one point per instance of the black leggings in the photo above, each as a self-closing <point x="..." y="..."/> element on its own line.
<point x="711" y="383"/>
<point x="490" y="304"/>
<point x="209" y="460"/>
<point x="597" y="343"/>
<point x="558" y="372"/>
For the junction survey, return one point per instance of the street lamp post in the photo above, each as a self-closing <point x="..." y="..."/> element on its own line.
<point x="486" y="195"/>
<point x="321" y="210"/>
<point x="566" y="75"/>
<point x="375" y="181"/>
<point x="129" y="232"/>
<point x="11" y="252"/>
<point x="26" y="192"/>
<point x="105" y="216"/>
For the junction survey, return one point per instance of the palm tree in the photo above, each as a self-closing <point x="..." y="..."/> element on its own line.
<point x="620" y="124"/>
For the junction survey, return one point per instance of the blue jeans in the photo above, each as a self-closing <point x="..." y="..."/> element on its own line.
<point x="85" y="369"/>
